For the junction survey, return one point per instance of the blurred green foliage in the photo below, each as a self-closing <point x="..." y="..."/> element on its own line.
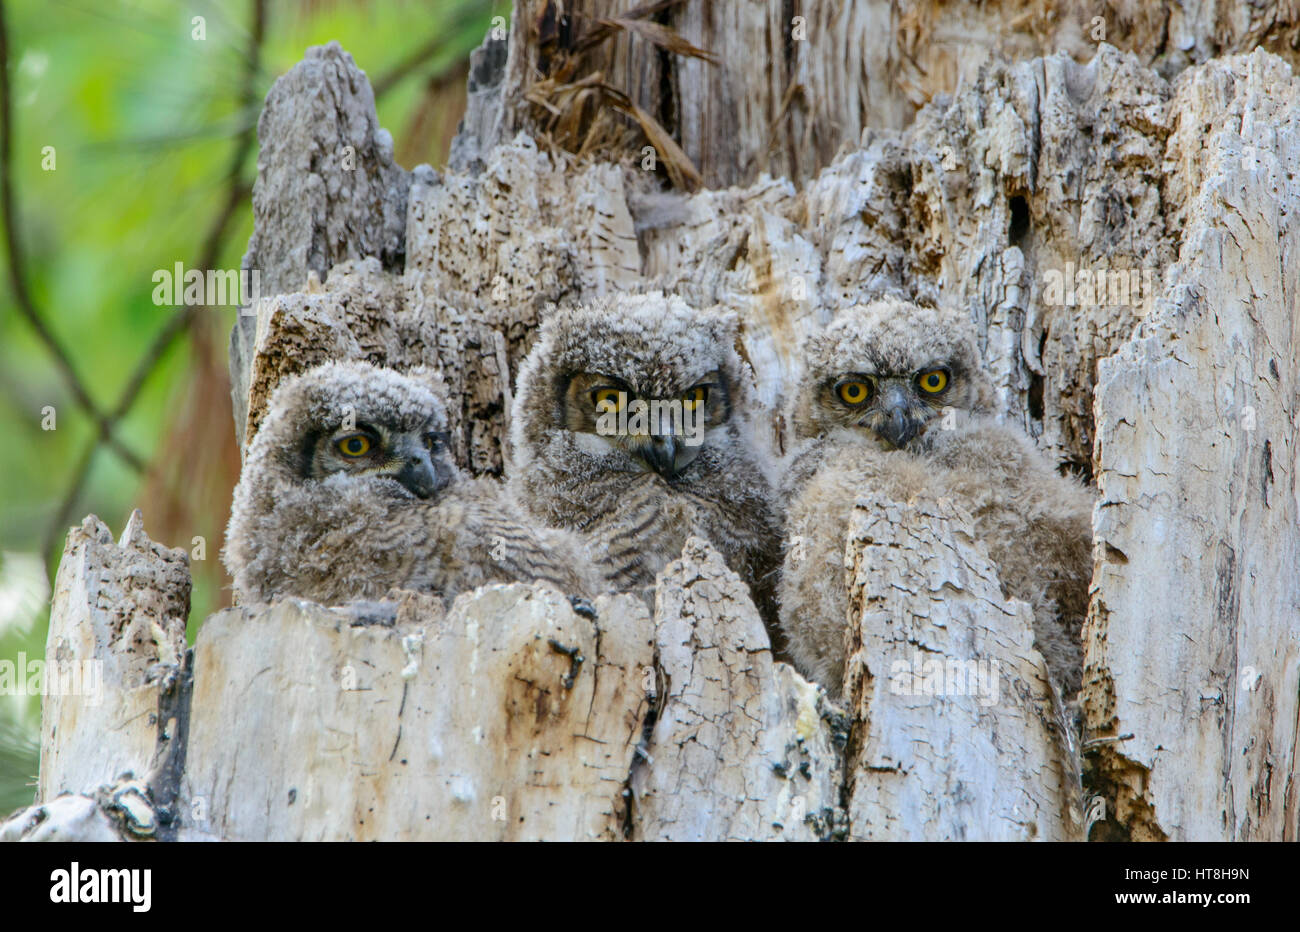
<point x="143" y="119"/>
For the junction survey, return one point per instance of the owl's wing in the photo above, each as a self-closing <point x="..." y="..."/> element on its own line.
<point x="509" y="548"/>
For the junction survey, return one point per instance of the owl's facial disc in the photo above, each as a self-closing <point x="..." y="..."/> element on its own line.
<point x="895" y="408"/>
<point x="406" y="457"/>
<point x="663" y="434"/>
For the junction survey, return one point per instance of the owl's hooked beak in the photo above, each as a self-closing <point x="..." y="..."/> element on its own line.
<point x="419" y="476"/>
<point x="666" y="453"/>
<point x="660" y="453"/>
<point x="898" y="428"/>
<point x="897" y="423"/>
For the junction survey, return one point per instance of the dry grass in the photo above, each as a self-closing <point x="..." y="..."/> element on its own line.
<point x="578" y="110"/>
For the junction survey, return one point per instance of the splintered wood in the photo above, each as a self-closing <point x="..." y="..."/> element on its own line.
<point x="1193" y="643"/>
<point x="742" y="748"/>
<point x="116" y="645"/>
<point x="957" y="734"/>
<point x="513" y="718"/>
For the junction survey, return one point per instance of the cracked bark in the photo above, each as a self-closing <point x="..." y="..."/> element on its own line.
<point x="1193" y="632"/>
<point x="950" y="694"/>
<point x="742" y="748"/>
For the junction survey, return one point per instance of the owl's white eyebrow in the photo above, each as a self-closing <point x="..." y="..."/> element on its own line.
<point x="710" y="379"/>
<point x="609" y="381"/>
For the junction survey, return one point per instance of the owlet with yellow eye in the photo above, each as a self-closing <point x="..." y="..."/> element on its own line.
<point x="632" y="425"/>
<point x="349" y="490"/>
<point x="894" y="398"/>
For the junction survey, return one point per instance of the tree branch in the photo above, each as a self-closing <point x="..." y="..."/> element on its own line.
<point x="180" y="322"/>
<point x="15" y="260"/>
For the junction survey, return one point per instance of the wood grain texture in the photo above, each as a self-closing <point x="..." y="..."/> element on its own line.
<point x="118" y="624"/>
<point x="512" y="718"/>
<point x="741" y="748"/>
<point x="792" y="83"/>
<point x="957" y="735"/>
<point x="1193" y="644"/>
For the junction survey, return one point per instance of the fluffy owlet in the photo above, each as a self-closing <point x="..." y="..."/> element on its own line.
<point x="893" y="398"/>
<point x="631" y="425"/>
<point x="349" y="490"/>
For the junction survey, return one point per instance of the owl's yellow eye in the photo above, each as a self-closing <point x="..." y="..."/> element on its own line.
<point x="695" y="397"/>
<point x="355" y="445"/>
<point x="608" y="399"/>
<point x="853" y="391"/>
<point x="934" y="381"/>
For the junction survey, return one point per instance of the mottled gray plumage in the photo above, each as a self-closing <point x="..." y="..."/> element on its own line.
<point x="349" y="490"/>
<point x="640" y="494"/>
<point x="902" y="437"/>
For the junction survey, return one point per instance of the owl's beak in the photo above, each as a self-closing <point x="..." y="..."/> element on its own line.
<point x="896" y="424"/>
<point x="418" y="476"/>
<point x="660" y="453"/>
<point x="898" y="428"/>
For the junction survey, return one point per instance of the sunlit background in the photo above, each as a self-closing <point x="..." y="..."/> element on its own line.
<point x="154" y="154"/>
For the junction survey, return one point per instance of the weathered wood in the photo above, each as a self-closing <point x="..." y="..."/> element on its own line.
<point x="790" y="84"/>
<point x="512" y="718"/>
<point x="957" y="735"/>
<point x="327" y="190"/>
<point x="117" y="642"/>
<point x="1193" y="643"/>
<point x="741" y="748"/>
